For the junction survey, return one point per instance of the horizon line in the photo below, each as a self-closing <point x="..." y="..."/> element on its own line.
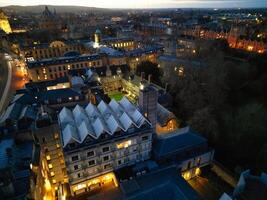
<point x="145" y="8"/>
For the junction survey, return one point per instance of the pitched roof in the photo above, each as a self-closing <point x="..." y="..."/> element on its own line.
<point x="94" y="120"/>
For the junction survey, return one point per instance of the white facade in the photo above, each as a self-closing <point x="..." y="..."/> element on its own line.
<point x="100" y="139"/>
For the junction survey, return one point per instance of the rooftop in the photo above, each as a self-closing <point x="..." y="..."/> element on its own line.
<point x="176" y="142"/>
<point x="93" y="120"/>
<point x="161" y="184"/>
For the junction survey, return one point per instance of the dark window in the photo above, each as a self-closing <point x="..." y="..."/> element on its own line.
<point x="189" y="165"/>
<point x="91" y="162"/>
<point x="79" y="175"/>
<point x="105" y="158"/>
<point x="76" y="167"/>
<point x="144" y="138"/>
<point x="198" y="161"/>
<point x="90" y="153"/>
<point x="107" y="166"/>
<point x="75" y="158"/>
<point x="105" y="149"/>
<point x="119" y="162"/>
<point x="64" y="67"/>
<point x="59" y="68"/>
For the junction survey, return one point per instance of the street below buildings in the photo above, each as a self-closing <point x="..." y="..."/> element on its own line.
<point x="210" y="186"/>
<point x="5" y="81"/>
<point x="11" y="79"/>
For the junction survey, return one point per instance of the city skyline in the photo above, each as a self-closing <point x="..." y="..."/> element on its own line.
<point x="146" y="3"/>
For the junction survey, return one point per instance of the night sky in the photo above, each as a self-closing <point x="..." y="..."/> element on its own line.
<point x="144" y="3"/>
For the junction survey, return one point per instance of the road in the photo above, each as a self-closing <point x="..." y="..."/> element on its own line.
<point x="210" y="187"/>
<point x="11" y="79"/>
<point x="5" y="77"/>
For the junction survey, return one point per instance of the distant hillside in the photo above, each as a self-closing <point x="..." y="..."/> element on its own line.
<point x="59" y="9"/>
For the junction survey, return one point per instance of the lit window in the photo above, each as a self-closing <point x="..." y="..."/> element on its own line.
<point x="70" y="98"/>
<point x="181" y="71"/>
<point x="48" y="157"/>
<point x="56" y="135"/>
<point x="58" y="146"/>
<point x="50" y="166"/>
<point x="52" y="174"/>
<point x="54" y="181"/>
<point x="68" y="67"/>
<point x="124" y="144"/>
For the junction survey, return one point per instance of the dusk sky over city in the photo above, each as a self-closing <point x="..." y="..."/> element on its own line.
<point x="145" y="3"/>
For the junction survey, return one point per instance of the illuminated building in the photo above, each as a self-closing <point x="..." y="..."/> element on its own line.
<point x="97" y="38"/>
<point x="181" y="145"/>
<point x="232" y="38"/>
<point x="4" y="23"/>
<point x="173" y="65"/>
<point x="51" y="50"/>
<point x="99" y="139"/>
<point x="51" y="171"/>
<point x="125" y="43"/>
<point x="49" y="69"/>
<point x="136" y="56"/>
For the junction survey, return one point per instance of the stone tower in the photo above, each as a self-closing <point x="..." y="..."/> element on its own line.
<point x="97" y="37"/>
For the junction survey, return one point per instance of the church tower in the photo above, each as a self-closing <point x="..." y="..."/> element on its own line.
<point x="97" y="37"/>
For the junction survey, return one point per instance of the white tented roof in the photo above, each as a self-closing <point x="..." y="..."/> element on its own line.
<point x="94" y="120"/>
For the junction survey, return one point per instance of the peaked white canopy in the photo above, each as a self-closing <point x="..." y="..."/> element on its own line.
<point x="95" y="120"/>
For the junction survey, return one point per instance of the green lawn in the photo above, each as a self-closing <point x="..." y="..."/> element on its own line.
<point x="116" y="95"/>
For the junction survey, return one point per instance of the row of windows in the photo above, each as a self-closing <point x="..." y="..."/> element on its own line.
<point x="119" y="162"/>
<point x="73" y="66"/>
<point x="50" y="51"/>
<point x="104" y="150"/>
<point x="105" y="167"/>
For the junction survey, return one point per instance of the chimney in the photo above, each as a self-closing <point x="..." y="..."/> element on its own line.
<point x="149" y="78"/>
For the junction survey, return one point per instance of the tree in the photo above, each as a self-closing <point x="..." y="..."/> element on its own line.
<point x="205" y="122"/>
<point x="150" y="68"/>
